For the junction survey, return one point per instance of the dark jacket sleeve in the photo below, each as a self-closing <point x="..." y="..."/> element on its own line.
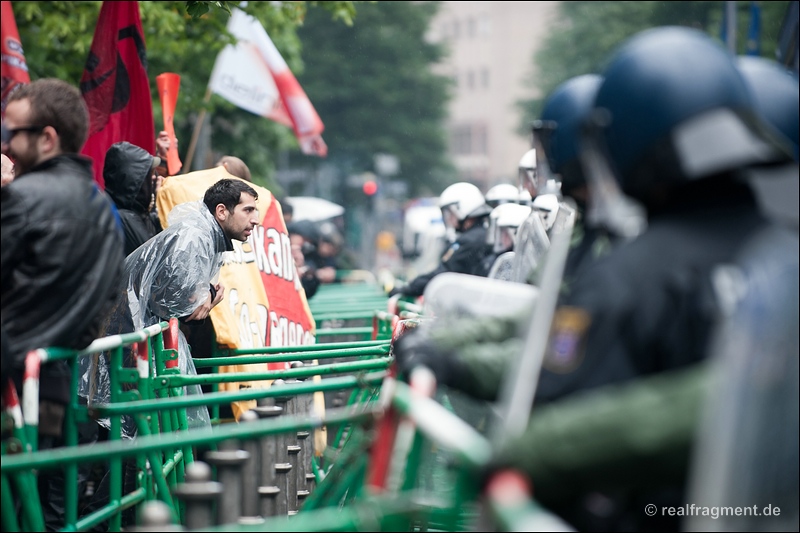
<point x="14" y="224"/>
<point x="463" y="257"/>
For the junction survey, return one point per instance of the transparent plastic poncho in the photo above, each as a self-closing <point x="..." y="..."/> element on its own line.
<point x="168" y="276"/>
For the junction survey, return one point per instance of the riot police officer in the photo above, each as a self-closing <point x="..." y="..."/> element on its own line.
<point x="464" y="210"/>
<point x="502" y="193"/>
<point x="504" y="221"/>
<point x="477" y="359"/>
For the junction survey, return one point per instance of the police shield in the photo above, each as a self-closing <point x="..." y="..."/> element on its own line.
<point x="747" y="449"/>
<point x="451" y="295"/>
<point x="530" y="248"/>
<point x="503" y="267"/>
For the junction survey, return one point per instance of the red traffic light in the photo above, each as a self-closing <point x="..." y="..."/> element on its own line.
<point x="370" y="187"/>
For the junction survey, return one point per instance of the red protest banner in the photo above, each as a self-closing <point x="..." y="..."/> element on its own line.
<point x="13" y="70"/>
<point x="115" y="85"/>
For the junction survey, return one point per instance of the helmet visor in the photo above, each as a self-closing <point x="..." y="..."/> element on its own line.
<point x="504" y="239"/>
<point x="450" y="217"/>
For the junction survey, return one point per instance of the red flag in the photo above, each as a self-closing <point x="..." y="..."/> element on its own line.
<point x="14" y="70"/>
<point x="115" y="85"/>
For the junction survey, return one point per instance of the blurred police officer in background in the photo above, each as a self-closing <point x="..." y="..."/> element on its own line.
<point x="464" y="210"/>
<point x="501" y="233"/>
<point x="502" y="193"/>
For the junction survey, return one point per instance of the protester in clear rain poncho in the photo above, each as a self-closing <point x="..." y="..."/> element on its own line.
<point x="174" y="274"/>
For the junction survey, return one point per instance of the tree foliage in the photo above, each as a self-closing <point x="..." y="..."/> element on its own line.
<point x="584" y="35"/>
<point x="184" y="38"/>
<point x="373" y="87"/>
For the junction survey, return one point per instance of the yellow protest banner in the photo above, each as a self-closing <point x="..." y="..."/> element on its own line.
<point x="265" y="304"/>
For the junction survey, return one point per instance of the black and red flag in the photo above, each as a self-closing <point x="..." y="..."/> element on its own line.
<point x="14" y="70"/>
<point x="115" y="85"/>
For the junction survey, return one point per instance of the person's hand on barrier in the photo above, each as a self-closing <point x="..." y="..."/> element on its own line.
<point x="201" y="313"/>
<point x="397" y="289"/>
<point x="326" y="274"/>
<point x="413" y="349"/>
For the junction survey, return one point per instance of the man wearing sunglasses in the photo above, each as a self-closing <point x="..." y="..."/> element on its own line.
<point x="62" y="251"/>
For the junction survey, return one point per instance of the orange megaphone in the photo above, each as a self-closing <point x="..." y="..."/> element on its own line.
<point x="168" y="86"/>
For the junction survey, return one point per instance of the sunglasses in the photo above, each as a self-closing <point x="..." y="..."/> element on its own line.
<point x="7" y="134"/>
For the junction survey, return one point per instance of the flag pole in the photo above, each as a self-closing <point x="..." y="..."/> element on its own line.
<point x="196" y="133"/>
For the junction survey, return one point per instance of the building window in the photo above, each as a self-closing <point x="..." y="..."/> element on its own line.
<point x="462" y="140"/>
<point x="471" y="27"/>
<point x="456" y="29"/>
<point x="470" y="80"/>
<point x="485" y="78"/>
<point x="469" y="139"/>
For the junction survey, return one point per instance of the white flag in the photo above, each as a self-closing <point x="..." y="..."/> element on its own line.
<point x="253" y="75"/>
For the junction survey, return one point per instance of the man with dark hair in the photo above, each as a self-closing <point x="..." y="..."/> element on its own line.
<point x="62" y="251"/>
<point x="174" y="274"/>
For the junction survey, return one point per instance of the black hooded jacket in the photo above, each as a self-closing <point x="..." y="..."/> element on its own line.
<point x="61" y="263"/>
<point x="127" y="172"/>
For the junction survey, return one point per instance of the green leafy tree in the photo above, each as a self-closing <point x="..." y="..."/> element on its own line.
<point x="184" y="38"/>
<point x="584" y="34"/>
<point x="373" y="87"/>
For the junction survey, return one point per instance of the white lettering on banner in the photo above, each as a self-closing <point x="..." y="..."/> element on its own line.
<point x="252" y="332"/>
<point x="279" y="255"/>
<point x="233" y="299"/>
<point x="284" y="332"/>
<point x="275" y="259"/>
<point x="297" y="283"/>
<point x="261" y="255"/>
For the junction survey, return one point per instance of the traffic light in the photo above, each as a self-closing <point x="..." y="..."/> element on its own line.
<point x="370" y="187"/>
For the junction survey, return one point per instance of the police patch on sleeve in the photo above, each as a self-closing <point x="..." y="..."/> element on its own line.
<point x="450" y="251"/>
<point x="567" y="341"/>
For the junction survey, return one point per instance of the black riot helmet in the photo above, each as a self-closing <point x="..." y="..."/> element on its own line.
<point x="775" y="90"/>
<point x="564" y="111"/>
<point x="674" y="108"/>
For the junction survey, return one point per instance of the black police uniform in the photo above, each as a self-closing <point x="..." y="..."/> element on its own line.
<point x="464" y="256"/>
<point x="650" y="306"/>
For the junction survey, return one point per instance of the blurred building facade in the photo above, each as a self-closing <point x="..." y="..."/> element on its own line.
<point x="491" y="48"/>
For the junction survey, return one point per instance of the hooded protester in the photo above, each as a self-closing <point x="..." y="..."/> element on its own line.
<point x="131" y="180"/>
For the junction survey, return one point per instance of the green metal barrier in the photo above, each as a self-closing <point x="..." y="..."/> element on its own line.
<point x="396" y="459"/>
<point x="23" y="445"/>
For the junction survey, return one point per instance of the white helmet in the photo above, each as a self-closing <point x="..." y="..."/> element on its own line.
<point x="504" y="221"/>
<point x="547" y="207"/>
<point x="525" y="197"/>
<point x="460" y="201"/>
<point x="502" y="194"/>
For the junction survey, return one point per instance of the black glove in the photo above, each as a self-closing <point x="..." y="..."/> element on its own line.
<point x="396" y="290"/>
<point x="413" y="349"/>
